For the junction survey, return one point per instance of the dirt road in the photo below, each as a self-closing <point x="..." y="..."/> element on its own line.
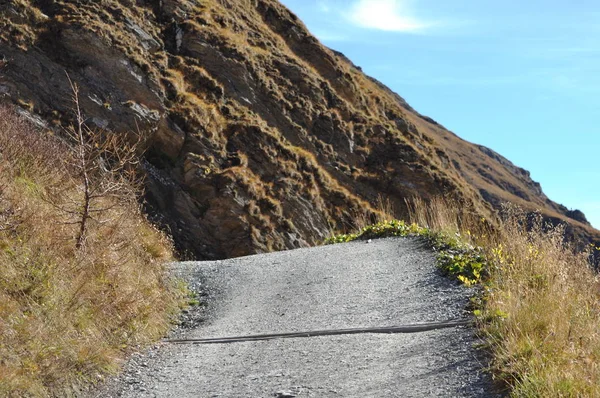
<point x="381" y="283"/>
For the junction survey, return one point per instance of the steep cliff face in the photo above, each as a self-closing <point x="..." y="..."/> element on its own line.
<point x="259" y="138"/>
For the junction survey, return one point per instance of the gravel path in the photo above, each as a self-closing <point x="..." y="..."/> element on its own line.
<point x="382" y="283"/>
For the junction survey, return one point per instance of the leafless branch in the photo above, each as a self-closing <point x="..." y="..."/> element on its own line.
<point x="106" y="164"/>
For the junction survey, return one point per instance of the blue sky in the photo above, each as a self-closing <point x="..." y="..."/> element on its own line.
<point x="521" y="77"/>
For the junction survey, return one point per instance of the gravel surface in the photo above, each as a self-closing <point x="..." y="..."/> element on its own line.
<point x="385" y="282"/>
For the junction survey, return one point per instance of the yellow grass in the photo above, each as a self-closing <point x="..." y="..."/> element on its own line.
<point x="68" y="316"/>
<point x="382" y="211"/>
<point x="540" y="311"/>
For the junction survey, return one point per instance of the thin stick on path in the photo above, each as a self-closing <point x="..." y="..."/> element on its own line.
<point x="411" y="328"/>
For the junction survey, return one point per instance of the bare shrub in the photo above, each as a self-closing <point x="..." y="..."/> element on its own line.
<point x="105" y="167"/>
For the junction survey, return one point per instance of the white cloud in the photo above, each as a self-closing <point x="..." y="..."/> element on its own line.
<point x="389" y="15"/>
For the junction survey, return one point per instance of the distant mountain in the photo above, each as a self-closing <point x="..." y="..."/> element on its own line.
<point x="259" y="137"/>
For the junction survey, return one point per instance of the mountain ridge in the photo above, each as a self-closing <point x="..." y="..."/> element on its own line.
<point x="259" y="137"/>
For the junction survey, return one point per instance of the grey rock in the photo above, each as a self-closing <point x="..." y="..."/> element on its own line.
<point x="147" y="41"/>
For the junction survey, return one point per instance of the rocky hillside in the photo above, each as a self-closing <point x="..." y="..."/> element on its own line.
<point x="259" y="137"/>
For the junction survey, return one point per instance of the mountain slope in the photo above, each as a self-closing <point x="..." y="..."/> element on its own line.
<point x="259" y="137"/>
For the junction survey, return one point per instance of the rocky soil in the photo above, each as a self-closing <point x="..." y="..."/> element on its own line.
<point x="382" y="283"/>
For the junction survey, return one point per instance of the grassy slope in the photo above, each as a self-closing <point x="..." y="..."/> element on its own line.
<point x="539" y="311"/>
<point x="68" y="316"/>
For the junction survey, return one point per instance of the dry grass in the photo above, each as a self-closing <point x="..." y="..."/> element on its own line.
<point x="449" y="217"/>
<point x="541" y="310"/>
<point x="68" y="315"/>
<point x="546" y="340"/>
<point x="383" y="211"/>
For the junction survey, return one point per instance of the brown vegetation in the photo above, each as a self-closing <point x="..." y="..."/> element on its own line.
<point x="540" y="308"/>
<point x="69" y="312"/>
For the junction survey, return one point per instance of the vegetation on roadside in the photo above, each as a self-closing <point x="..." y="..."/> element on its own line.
<point x="73" y="296"/>
<point x="539" y="309"/>
<point x="456" y="256"/>
<point x="547" y="343"/>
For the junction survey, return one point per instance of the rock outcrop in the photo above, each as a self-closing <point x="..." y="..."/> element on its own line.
<point x="259" y="138"/>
